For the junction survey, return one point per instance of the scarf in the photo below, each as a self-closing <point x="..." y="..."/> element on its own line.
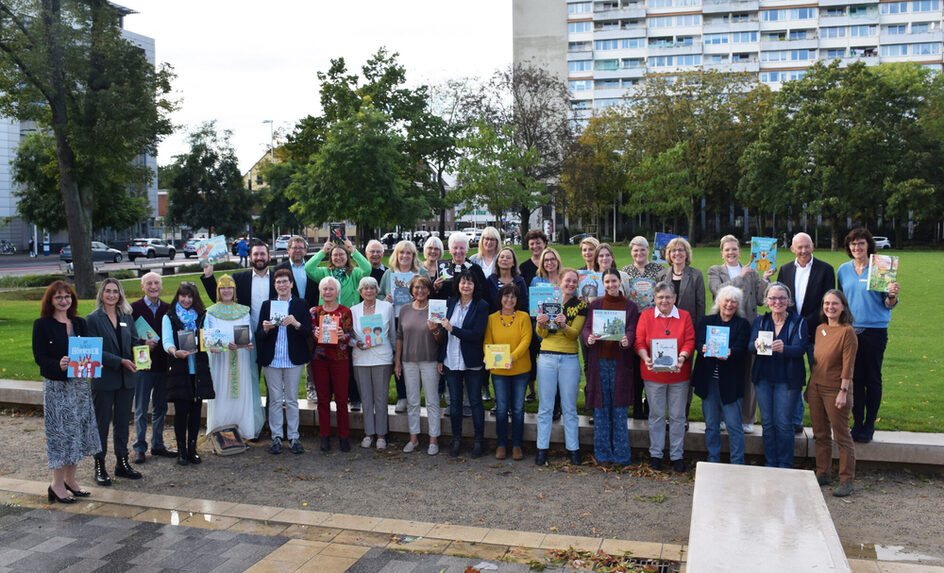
<point x="187" y="316"/>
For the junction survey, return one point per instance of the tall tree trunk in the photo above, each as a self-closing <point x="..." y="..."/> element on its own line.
<point x="691" y="222"/>
<point x="834" y="229"/>
<point x="442" y="209"/>
<point x="525" y="215"/>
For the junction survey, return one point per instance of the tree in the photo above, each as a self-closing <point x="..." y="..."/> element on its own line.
<point x="275" y="205"/>
<point x="67" y="67"/>
<point x="663" y="185"/>
<point x="205" y="187"/>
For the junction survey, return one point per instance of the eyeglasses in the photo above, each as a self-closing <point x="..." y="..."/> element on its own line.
<point x="63" y="297"/>
<point x="777" y="298"/>
<point x="859" y="244"/>
<point x="283" y="282"/>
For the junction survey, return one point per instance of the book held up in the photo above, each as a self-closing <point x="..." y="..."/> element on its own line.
<point x="497" y="356"/>
<point x="664" y="354"/>
<point x="883" y="270"/>
<point x="85" y="357"/>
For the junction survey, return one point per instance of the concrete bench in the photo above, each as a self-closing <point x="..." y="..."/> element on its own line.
<point x="749" y="518"/>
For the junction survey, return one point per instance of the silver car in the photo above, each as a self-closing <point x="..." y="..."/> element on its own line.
<point x="150" y="248"/>
<point x="882" y="243"/>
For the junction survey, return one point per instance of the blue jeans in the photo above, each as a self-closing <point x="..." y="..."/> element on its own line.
<point x="667" y="400"/>
<point x="798" y="410"/>
<point x="148" y="383"/>
<point x="472" y="380"/>
<point x="777" y="403"/>
<point x="509" y="394"/>
<point x="713" y="410"/>
<point x="610" y="433"/>
<point x="558" y="372"/>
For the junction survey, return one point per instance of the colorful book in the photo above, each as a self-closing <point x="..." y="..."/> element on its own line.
<point x="551" y="309"/>
<point x="214" y="339"/>
<point x="85" y="357"/>
<point x="765" y="343"/>
<point x="591" y="284"/>
<point x="497" y="356"/>
<point x="142" y="357"/>
<point x="145" y="332"/>
<point x="883" y="270"/>
<point x="187" y="340"/>
<point x="278" y="310"/>
<point x="241" y="336"/>
<point x="213" y="250"/>
<point x="659" y="242"/>
<point x="717" y="341"/>
<point x="338" y="232"/>
<point x="609" y="324"/>
<point x="763" y="254"/>
<point x="400" y="285"/>
<point x="642" y="291"/>
<point x="437" y="310"/>
<point x="541" y="293"/>
<point x="664" y="354"/>
<point x="371" y="330"/>
<point x="329" y="330"/>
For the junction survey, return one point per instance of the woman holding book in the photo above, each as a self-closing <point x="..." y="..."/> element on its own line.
<point x="462" y="359"/>
<point x="510" y="327"/>
<point x="588" y="248"/>
<point x="418" y="340"/>
<point x="283" y="331"/>
<point x="872" y="311"/>
<point x="506" y="273"/>
<point x="609" y="388"/>
<point x="341" y="265"/>
<point x="71" y="432"/>
<point x="642" y="267"/>
<point x="559" y="368"/>
<point x="830" y="392"/>
<point x="113" y="393"/>
<point x="719" y="371"/>
<point x="665" y="343"/>
<point x="488" y="249"/>
<point x="332" y="327"/>
<point x="373" y="358"/>
<point x="189" y="382"/>
<point x="779" y="341"/>
<point x="234" y="372"/>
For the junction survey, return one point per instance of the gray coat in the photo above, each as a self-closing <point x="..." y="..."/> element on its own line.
<point x="114" y="376"/>
<point x="752" y="285"/>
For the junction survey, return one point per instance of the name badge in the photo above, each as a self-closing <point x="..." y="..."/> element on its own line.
<point x="122" y="324"/>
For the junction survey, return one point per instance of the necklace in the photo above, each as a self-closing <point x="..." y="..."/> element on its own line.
<point x="667" y="319"/>
<point x="501" y="317"/>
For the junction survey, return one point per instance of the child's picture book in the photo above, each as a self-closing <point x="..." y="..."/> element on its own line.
<point x="609" y="324"/>
<point x="591" y="284"/>
<point x="437" y="310"/>
<point x="497" y="356"/>
<point x="145" y="332"/>
<point x="241" y="335"/>
<point x="142" y="357"/>
<point x="717" y="341"/>
<point x="446" y="270"/>
<point x="329" y="330"/>
<point x="400" y="285"/>
<point x="214" y="339"/>
<point x="642" y="291"/>
<point x="659" y="242"/>
<point x="883" y="270"/>
<point x="763" y="254"/>
<point x="213" y="250"/>
<point x="338" y="232"/>
<point x="542" y="293"/>
<point x="371" y="330"/>
<point x="187" y="340"/>
<point x="85" y="357"/>
<point x="664" y="354"/>
<point x="551" y="309"/>
<point x="278" y="310"/>
<point x="765" y="341"/>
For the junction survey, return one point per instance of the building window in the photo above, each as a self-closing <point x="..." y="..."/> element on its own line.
<point x="795" y="74"/>
<point x="743" y="37"/>
<point x="602" y="45"/>
<point x="606" y="102"/>
<point x="633" y="43"/>
<point x="580" y="8"/>
<point x="861" y="11"/>
<point x="608" y="26"/>
<point x="926" y="49"/>
<point x="688" y="20"/>
<point x="661" y="22"/>
<point x="861" y="31"/>
<point x="606" y="66"/>
<point x="889" y="50"/>
<point x="580" y="104"/>
<point x="580" y="66"/>
<point x="578" y="46"/>
<point x="742" y="57"/>
<point x="770" y="77"/>
<point x="718" y="59"/>
<point x="630" y="82"/>
<point x="579" y="27"/>
<point x="836" y="54"/>
<point x="773" y="15"/>
<point x="688" y="60"/>
<point x="606" y="84"/>
<point x="923" y="27"/>
<point x="684" y="41"/>
<point x="775" y="56"/>
<point x="800" y="34"/>
<point x="660" y="61"/>
<point x="802" y="55"/>
<point x="834" y="11"/>
<point x="894" y="8"/>
<point x="716" y="39"/>
<point x="833" y="32"/>
<point x="925" y="5"/>
<point x="661" y="42"/>
<point x="897" y="29"/>
<point x="632" y="63"/>
<point x="802" y="13"/>
<point x="580" y="85"/>
<point x="741" y="17"/>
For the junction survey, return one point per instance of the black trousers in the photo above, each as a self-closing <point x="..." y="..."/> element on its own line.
<point x="113" y="406"/>
<point x="186" y="422"/>
<point x="867" y="381"/>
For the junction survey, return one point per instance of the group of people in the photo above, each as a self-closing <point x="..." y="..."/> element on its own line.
<point x="350" y="324"/>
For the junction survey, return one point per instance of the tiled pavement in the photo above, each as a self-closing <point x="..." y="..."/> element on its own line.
<point x="122" y="531"/>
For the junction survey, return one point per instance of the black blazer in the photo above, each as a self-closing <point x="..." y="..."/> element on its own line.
<point x="311" y="287"/>
<point x="471" y="333"/>
<point x="691" y="295"/>
<point x="243" y="280"/>
<point x="298" y="349"/>
<point x="114" y="375"/>
<point x="730" y="371"/>
<point x="822" y="279"/>
<point x="51" y="343"/>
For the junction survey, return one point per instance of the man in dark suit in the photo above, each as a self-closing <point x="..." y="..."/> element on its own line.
<point x="808" y="279"/>
<point x="151" y="382"/>
<point x="304" y="288"/>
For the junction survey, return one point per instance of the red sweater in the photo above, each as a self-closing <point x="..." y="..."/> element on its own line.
<point x="681" y="329"/>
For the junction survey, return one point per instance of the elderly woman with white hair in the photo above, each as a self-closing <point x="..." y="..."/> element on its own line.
<point x="488" y="250"/>
<point x="458" y="248"/>
<point x="330" y="362"/>
<point x="373" y="358"/>
<point x="432" y="252"/>
<point x="718" y="375"/>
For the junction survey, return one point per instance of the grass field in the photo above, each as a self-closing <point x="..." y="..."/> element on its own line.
<point x="913" y="372"/>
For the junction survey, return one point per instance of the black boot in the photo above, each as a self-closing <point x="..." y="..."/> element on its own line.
<point x="477" y="449"/>
<point x="541" y="458"/>
<point x="124" y="469"/>
<point x="192" y="452"/>
<point x="182" y="459"/>
<point x="101" y="476"/>
<point x="574" y="456"/>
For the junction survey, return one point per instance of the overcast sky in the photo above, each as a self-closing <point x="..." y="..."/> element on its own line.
<point x="242" y="62"/>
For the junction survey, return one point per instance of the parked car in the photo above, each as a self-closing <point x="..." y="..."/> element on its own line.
<point x="190" y="247"/>
<point x="281" y="244"/>
<point x="575" y="240"/>
<point x="150" y="248"/>
<point x="100" y="252"/>
<point x="882" y="243"/>
<point x="473" y="234"/>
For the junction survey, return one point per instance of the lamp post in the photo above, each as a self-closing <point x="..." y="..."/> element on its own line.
<point x="271" y="140"/>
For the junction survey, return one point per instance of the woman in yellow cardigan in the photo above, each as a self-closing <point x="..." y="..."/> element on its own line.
<point x="512" y="327"/>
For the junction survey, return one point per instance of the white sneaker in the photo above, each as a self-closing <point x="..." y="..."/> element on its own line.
<point x="400" y="407"/>
<point x="365" y="443"/>
<point x="433" y="449"/>
<point x="748" y="428"/>
<point x="381" y="443"/>
<point x="409" y="447"/>
<point x="723" y="427"/>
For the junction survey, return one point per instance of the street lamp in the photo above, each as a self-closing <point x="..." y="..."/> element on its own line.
<point x="271" y="140"/>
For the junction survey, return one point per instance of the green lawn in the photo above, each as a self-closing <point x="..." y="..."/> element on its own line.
<point x="913" y="374"/>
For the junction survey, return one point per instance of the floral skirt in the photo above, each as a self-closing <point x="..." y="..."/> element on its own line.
<point x="71" y="430"/>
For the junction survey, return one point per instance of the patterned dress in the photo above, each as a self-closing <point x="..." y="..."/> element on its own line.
<point x="71" y="430"/>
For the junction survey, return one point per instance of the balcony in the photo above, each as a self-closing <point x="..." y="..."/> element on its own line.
<point x="808" y="43"/>
<point x="628" y="13"/>
<point x="735" y="67"/>
<point x="675" y="50"/>
<point x="728" y="6"/>
<point x="749" y="26"/>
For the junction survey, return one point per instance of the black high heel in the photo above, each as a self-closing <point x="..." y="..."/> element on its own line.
<point x="53" y="497"/>
<point x="78" y="492"/>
